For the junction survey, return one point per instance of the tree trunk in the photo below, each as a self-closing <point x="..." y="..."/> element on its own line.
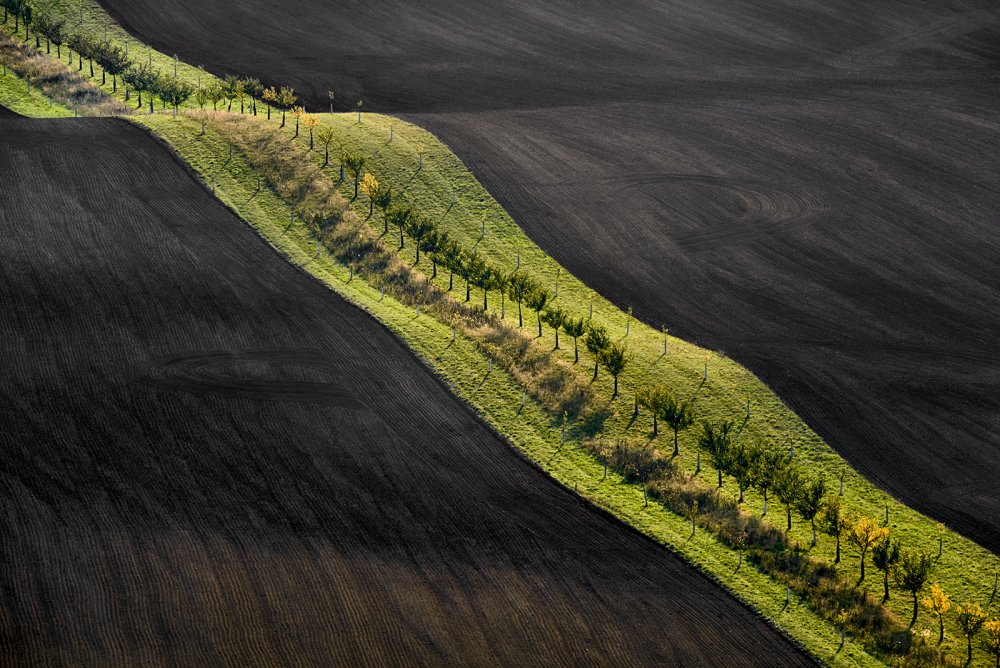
<point x="402" y="242"/>
<point x="48" y="47"/>
<point x="915" y="610"/>
<point x="764" y="514"/>
<point x="719" y="471"/>
<point x="539" y="314"/>
<point x="812" y="522"/>
<point x="676" y="449"/>
<point x="451" y="279"/>
<point x="862" y="567"/>
<point x="885" y="583"/>
<point x="576" y="359"/>
<point x="355" y="185"/>
<point x="434" y="269"/>
<point x="268" y="112"/>
<point x="91" y="62"/>
<point x="418" y="253"/>
<point x="485" y="295"/>
<point x="941" y="629"/>
<point x="741" y="495"/>
<point x="788" y="517"/>
<point x="150" y="104"/>
<point x="837" y="559"/>
<point x="557" y="338"/>
<point x="968" y="660"/>
<point x="615" y="393"/>
<point x="114" y="83"/>
<point x="597" y="365"/>
<point x="520" y="319"/>
<point x="282" y="118"/>
<point x="468" y="290"/>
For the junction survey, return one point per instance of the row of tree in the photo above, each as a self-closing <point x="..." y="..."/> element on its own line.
<point x="428" y="238"/>
<point x="143" y="78"/>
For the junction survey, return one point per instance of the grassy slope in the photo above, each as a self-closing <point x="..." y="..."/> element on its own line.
<point x="965" y="571"/>
<point x="28" y="100"/>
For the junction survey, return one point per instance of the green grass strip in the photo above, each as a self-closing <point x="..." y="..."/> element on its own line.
<point x="965" y="570"/>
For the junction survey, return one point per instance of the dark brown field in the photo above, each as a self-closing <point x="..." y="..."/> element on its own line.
<point x="811" y="186"/>
<point x="207" y="458"/>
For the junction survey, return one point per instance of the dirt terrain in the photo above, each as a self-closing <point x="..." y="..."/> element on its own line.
<point x="208" y="458"/>
<point x="809" y="186"/>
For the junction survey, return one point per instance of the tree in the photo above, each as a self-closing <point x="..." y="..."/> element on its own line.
<point x="141" y="78"/>
<point x="679" y="415"/>
<point x="285" y="99"/>
<point x="113" y="61"/>
<point x="597" y="340"/>
<point x="215" y="94"/>
<point x="83" y="45"/>
<point x="310" y="122"/>
<point x="200" y="96"/>
<point x="355" y="164"/>
<point x="741" y="465"/>
<point x="400" y="217"/>
<point x="418" y="228"/>
<point x="520" y="286"/>
<point x="229" y="85"/>
<point x="885" y="556"/>
<point x="939" y="604"/>
<point x="325" y="136"/>
<point x="615" y="359"/>
<point x="26" y="14"/>
<point x="432" y="245"/>
<point x="383" y="200"/>
<point x="970" y="619"/>
<point x="992" y="639"/>
<point x="536" y="300"/>
<point x="767" y="468"/>
<point x="240" y="93"/>
<point x="911" y="574"/>
<point x="788" y="487"/>
<point x="488" y="280"/>
<point x="297" y="112"/>
<point x="173" y="91"/>
<point x="555" y="317"/>
<point x="474" y="270"/>
<point x="865" y="533"/>
<point x="53" y="30"/>
<point x="833" y="521"/>
<point x="499" y="280"/>
<point x="810" y="502"/>
<point x="575" y="328"/>
<point x="370" y="187"/>
<point x="653" y="399"/>
<point x="270" y="97"/>
<point x="450" y="255"/>
<point x="717" y="444"/>
<point x="254" y="89"/>
<point x="17" y="7"/>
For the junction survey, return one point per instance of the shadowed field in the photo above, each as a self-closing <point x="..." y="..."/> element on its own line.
<point x="810" y="187"/>
<point x="210" y="459"/>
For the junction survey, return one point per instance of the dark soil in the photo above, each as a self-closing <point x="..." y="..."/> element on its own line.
<point x="810" y="186"/>
<point x="207" y="458"/>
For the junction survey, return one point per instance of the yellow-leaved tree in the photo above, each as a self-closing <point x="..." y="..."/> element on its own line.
<point x="369" y="186"/>
<point x="864" y="533"/>
<point x="938" y="603"/>
<point x="970" y="619"/>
